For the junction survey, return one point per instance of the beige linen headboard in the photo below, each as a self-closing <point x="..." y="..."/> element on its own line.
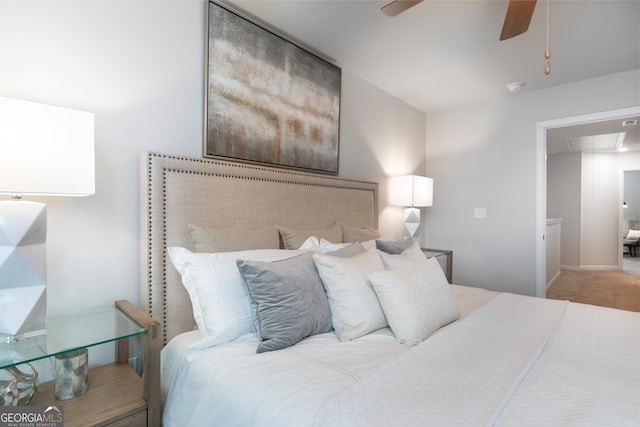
<point x="178" y="191"/>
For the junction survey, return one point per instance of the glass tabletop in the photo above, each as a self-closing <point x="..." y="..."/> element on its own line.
<point x="69" y="332"/>
<point x="434" y="252"/>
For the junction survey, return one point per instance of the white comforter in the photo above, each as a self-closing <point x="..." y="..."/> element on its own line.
<point x="513" y="361"/>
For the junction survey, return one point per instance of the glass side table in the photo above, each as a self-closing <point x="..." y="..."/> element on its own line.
<point x="116" y="393"/>
<point x="445" y="258"/>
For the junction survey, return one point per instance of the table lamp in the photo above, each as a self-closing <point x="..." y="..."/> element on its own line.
<point x="45" y="151"/>
<point x="413" y="192"/>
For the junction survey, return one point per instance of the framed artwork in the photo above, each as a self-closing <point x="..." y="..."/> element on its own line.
<point x="268" y="100"/>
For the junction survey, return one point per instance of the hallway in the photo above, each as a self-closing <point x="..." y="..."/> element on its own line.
<point x="607" y="288"/>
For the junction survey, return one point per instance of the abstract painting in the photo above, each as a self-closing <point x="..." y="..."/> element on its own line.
<point x="268" y="100"/>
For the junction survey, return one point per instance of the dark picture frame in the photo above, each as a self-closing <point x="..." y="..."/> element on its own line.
<point x="268" y="100"/>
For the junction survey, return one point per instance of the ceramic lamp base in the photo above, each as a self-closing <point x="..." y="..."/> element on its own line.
<point x="23" y="266"/>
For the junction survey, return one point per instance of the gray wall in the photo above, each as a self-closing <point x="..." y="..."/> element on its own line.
<point x="632" y="197"/>
<point x="139" y="66"/>
<point x="485" y="156"/>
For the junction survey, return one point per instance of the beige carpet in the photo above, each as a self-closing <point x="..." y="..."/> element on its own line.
<point x="617" y="289"/>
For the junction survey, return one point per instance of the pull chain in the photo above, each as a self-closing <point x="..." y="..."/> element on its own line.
<point x="547" y="49"/>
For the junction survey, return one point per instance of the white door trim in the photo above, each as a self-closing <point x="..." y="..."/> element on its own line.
<point x="541" y="180"/>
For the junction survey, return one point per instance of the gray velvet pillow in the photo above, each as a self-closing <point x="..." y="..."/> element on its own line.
<point x="394" y="247"/>
<point x="288" y="298"/>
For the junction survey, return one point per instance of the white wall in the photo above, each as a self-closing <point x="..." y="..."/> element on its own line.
<point x="564" y="201"/>
<point x="600" y="211"/>
<point x="138" y="66"/>
<point x="582" y="188"/>
<point x="485" y="156"/>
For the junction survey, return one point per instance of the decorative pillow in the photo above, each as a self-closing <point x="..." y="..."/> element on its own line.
<point x="289" y="300"/>
<point x="416" y="300"/>
<point x="345" y="250"/>
<point x="633" y="234"/>
<point x="311" y="244"/>
<point x="360" y="234"/>
<point x="395" y="246"/>
<point x="355" y="310"/>
<point x="208" y="239"/>
<point x="326" y="246"/>
<point x="219" y="297"/>
<point x="293" y="238"/>
<point x="411" y="256"/>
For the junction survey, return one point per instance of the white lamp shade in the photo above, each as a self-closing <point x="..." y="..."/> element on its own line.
<point x="411" y="190"/>
<point x="45" y="150"/>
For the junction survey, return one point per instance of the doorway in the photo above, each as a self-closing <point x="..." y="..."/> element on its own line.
<point x="631" y="222"/>
<point x="541" y="191"/>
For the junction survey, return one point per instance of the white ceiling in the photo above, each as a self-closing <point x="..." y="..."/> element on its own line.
<point x="595" y="137"/>
<point x="442" y="54"/>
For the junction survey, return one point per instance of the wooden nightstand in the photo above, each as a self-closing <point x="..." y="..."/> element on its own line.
<point x="445" y="258"/>
<point x="117" y="396"/>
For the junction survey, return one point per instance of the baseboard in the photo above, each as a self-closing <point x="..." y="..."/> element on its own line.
<point x="554" y="278"/>
<point x="589" y="267"/>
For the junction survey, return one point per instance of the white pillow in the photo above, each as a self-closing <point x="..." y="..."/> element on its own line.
<point x="355" y="310"/>
<point x="327" y="246"/>
<point x="219" y="297"/>
<point x="311" y="244"/>
<point x="633" y="234"/>
<point x="323" y="246"/>
<point x="416" y="300"/>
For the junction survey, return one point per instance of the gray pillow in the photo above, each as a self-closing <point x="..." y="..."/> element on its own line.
<point x="348" y="251"/>
<point x="289" y="300"/>
<point x="360" y="234"/>
<point x="394" y="247"/>
<point x="293" y="238"/>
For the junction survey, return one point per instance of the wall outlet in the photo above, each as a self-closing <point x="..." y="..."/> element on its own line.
<point x="480" y="213"/>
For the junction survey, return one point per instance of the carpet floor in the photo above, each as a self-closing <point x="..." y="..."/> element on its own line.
<point x="616" y="289"/>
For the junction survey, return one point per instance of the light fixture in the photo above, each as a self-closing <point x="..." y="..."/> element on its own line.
<point x="46" y="151"/>
<point x="413" y="192"/>
<point x="515" y="86"/>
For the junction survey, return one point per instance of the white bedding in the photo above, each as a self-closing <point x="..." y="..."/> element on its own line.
<point x="582" y="369"/>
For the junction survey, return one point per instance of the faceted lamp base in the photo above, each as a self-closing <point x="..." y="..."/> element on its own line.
<point x="23" y="266"/>
<point x="412" y="223"/>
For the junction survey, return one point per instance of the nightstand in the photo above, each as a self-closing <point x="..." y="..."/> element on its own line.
<point x="117" y="396"/>
<point x="445" y="258"/>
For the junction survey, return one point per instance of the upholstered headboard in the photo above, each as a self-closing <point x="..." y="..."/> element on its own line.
<point x="178" y="191"/>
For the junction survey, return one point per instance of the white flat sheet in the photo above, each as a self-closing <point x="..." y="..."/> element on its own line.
<point x="587" y="373"/>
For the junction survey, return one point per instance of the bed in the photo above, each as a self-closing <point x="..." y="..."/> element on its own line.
<point x="443" y="354"/>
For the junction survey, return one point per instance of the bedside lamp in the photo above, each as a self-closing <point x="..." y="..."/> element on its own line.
<point x="413" y="192"/>
<point x="46" y="151"/>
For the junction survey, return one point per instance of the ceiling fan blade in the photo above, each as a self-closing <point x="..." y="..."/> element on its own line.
<point x="518" y="16"/>
<point x="398" y="6"/>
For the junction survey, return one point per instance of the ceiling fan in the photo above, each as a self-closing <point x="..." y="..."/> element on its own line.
<point x="516" y="21"/>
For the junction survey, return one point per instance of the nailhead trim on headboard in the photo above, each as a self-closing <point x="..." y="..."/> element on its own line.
<point x="158" y="288"/>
